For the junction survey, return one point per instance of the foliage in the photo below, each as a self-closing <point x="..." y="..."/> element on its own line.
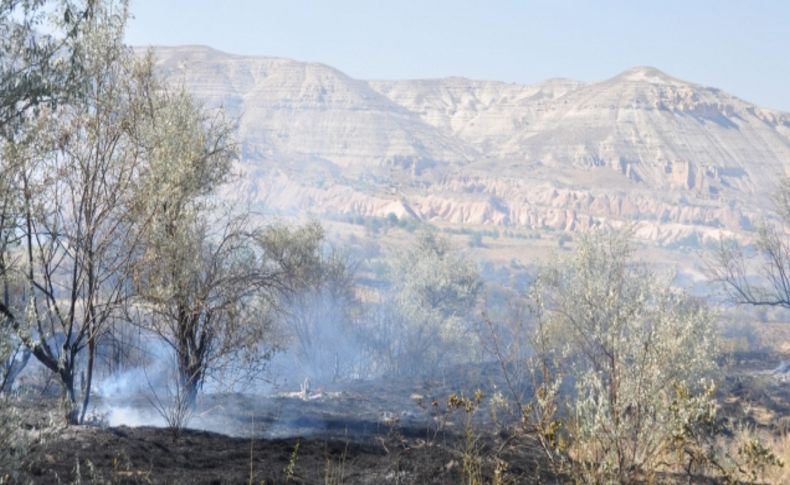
<point x="322" y="323"/>
<point x="211" y="294"/>
<point x="19" y="434"/>
<point x="429" y="320"/>
<point x="623" y="363"/>
<point x="183" y="260"/>
<point x="290" y="467"/>
<point x="764" y="278"/>
<point x="15" y="441"/>
<point x="37" y="69"/>
<point x="472" y="453"/>
<point x="75" y="168"/>
<point x="206" y="279"/>
<point x="13" y="359"/>
<point x="106" y="212"/>
<point x="760" y="461"/>
<point x="475" y="240"/>
<point x="563" y="240"/>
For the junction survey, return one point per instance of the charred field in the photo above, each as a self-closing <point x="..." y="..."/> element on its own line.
<point x="376" y="431"/>
<point x="379" y="431"/>
<point x="151" y="455"/>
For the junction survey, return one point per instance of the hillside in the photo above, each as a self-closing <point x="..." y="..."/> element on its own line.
<point x="678" y="160"/>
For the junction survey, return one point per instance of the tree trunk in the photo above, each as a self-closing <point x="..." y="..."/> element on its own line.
<point x="70" y="396"/>
<point x="190" y="358"/>
<point x="13" y="367"/>
<point x="189" y="371"/>
<point x="91" y="357"/>
<point x="190" y="378"/>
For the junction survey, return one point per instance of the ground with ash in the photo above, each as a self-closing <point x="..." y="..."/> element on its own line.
<point x="365" y="432"/>
<point x="146" y="454"/>
<point x="383" y="431"/>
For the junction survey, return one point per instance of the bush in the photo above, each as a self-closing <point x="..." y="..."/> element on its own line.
<point x="424" y="323"/>
<point x="630" y="361"/>
<point x="14" y="441"/>
<point x="563" y="240"/>
<point x="476" y="240"/>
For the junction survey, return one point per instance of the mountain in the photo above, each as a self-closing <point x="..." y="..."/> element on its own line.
<point x="306" y="111"/>
<point x="677" y="160"/>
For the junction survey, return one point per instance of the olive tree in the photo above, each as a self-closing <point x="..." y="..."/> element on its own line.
<point x="212" y="293"/>
<point x="76" y="174"/>
<point x="36" y="70"/>
<point x="624" y="363"/>
<point x="427" y="319"/>
<point x="40" y="55"/>
<point x="207" y="279"/>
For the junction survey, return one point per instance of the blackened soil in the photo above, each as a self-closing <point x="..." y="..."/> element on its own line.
<point x="152" y="455"/>
<point x="373" y="432"/>
<point x="345" y="440"/>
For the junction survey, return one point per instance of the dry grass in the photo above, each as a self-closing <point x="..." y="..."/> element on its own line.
<point x="335" y="470"/>
<point x="780" y="447"/>
<point x="762" y="456"/>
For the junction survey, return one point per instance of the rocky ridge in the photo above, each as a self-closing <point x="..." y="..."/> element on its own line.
<point x="673" y="158"/>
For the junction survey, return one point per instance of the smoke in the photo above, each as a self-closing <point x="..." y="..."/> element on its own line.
<point x="340" y="345"/>
<point x="119" y="395"/>
<point x="323" y="340"/>
<point x="118" y="415"/>
<point x="126" y="384"/>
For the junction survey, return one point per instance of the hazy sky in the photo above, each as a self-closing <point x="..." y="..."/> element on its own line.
<point x="742" y="47"/>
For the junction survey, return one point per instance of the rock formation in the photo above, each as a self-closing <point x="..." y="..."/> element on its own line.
<point x="674" y="158"/>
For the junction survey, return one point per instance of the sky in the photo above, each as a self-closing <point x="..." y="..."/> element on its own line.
<point x="738" y="46"/>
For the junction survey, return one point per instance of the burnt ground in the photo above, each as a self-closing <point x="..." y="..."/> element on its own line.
<point x="753" y="393"/>
<point x="375" y="432"/>
<point x="151" y="455"/>
<point x="371" y="432"/>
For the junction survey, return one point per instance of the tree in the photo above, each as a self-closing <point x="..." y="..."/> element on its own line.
<point x="38" y="69"/>
<point x="211" y="293"/>
<point x="77" y="170"/>
<point x="206" y="280"/>
<point x="429" y="321"/>
<point x="764" y="279"/>
<point x="35" y="70"/>
<point x="636" y="355"/>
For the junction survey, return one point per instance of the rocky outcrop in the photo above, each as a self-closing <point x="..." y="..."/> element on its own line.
<point x="672" y="158"/>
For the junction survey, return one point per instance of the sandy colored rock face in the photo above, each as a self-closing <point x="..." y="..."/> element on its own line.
<point x="674" y="158"/>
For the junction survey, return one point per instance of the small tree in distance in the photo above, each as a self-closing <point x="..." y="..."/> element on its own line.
<point x="765" y="279"/>
<point x="430" y="321"/>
